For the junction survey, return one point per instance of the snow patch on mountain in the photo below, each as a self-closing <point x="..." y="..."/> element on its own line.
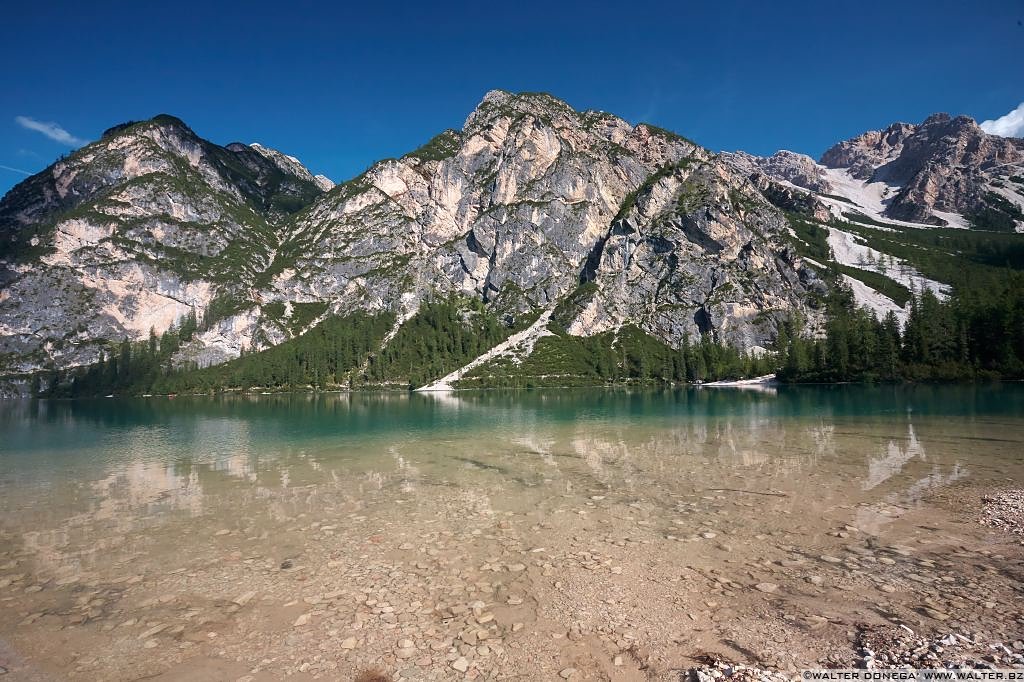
<point x="875" y="301"/>
<point x="952" y="220"/>
<point x="848" y="249"/>
<point x="871" y="199"/>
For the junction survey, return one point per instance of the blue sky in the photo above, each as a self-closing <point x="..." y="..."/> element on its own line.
<point x="340" y="86"/>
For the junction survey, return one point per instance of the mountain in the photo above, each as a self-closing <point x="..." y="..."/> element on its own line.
<point x="287" y="164"/>
<point x="133" y="232"/>
<point x="945" y="171"/>
<point x="562" y="227"/>
<point x="527" y="203"/>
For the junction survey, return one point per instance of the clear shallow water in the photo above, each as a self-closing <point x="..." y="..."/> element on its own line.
<point x="68" y="463"/>
<point x="97" y="493"/>
<point x="47" y="445"/>
<point x="35" y="436"/>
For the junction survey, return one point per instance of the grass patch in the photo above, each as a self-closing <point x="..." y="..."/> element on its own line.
<point x="442" y="146"/>
<point x="811" y="238"/>
<point x="865" y="220"/>
<point x="877" y="281"/>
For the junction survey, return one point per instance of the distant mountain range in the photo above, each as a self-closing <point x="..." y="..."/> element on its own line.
<point x="558" y="221"/>
<point x="946" y="171"/>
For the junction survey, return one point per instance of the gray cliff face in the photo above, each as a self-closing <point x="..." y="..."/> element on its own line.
<point x="529" y="201"/>
<point x="288" y="165"/>
<point x="782" y="179"/>
<point x="945" y="164"/>
<point x="530" y="205"/>
<point x="701" y="251"/>
<point x="508" y="209"/>
<point x="131" y="233"/>
<point x="797" y="169"/>
<point x="864" y="154"/>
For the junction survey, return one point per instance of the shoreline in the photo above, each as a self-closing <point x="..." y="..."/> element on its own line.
<point x="650" y="386"/>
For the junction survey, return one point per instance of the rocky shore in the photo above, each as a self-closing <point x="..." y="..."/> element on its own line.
<point x="1004" y="510"/>
<point x="554" y="599"/>
<point x="890" y="647"/>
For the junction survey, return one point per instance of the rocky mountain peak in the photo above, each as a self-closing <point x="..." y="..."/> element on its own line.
<point x="799" y="169"/>
<point x="950" y="165"/>
<point x="790" y="167"/>
<point x="123" y="153"/>
<point x="944" y="165"/>
<point x="158" y="121"/>
<point x="288" y="164"/>
<point x="498" y="104"/>
<point x="323" y="182"/>
<point x="136" y="230"/>
<point x="865" y="153"/>
<point x="532" y="207"/>
<point x="937" y="118"/>
<point x="939" y="125"/>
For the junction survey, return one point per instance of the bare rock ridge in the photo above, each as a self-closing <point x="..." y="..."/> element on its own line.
<point x="288" y="165"/>
<point x="531" y="206"/>
<point x="530" y="200"/>
<point x="864" y="154"/>
<point x="945" y="171"/>
<point x="945" y="165"/>
<point x="798" y="169"/>
<point x="131" y="233"/>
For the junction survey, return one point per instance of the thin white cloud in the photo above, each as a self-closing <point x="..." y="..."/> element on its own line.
<point x="15" y="170"/>
<point x="1011" y="125"/>
<point x="52" y="130"/>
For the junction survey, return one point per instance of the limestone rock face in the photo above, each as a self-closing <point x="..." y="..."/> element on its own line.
<point x="945" y="164"/>
<point x="131" y="233"/>
<point x="701" y="251"/>
<point x="797" y="169"/>
<point x="789" y="181"/>
<point x="288" y="165"/>
<point x="864" y="154"/>
<point x="532" y="205"/>
<point x="532" y="199"/>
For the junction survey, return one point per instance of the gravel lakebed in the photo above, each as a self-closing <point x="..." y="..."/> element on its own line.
<point x="594" y="586"/>
<point x="682" y="553"/>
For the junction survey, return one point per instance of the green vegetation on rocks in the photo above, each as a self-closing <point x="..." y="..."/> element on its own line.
<point x="327" y="356"/>
<point x="443" y="335"/>
<point x="442" y="146"/>
<point x="627" y="355"/>
<point x="942" y="341"/>
<point x="811" y="241"/>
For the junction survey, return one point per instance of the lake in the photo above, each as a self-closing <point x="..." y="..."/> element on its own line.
<point x="514" y="535"/>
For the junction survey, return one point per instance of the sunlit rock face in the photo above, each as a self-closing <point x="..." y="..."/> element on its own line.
<point x="530" y="205"/>
<point x="945" y="165"/>
<point x="132" y="233"/>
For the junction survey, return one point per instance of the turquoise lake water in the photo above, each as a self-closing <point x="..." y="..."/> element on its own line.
<point x="160" y="511"/>
<point x="62" y="448"/>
